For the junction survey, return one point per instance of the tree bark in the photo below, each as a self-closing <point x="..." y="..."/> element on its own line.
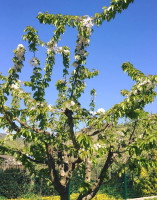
<point x="88" y="170"/>
<point x="92" y="192"/>
<point x="64" y="195"/>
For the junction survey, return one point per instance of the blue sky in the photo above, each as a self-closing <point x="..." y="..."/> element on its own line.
<point x="131" y="36"/>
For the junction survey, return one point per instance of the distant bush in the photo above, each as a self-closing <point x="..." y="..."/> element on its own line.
<point x="18" y="183"/>
<point x="14" y="183"/>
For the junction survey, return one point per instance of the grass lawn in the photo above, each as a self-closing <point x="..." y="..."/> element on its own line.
<point x="72" y="197"/>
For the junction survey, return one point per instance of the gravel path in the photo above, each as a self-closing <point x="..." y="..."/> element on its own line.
<point x="142" y="198"/>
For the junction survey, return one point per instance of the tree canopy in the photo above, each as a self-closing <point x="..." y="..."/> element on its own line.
<point x="67" y="136"/>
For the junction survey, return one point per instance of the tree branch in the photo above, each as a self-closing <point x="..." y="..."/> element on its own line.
<point x="5" y="149"/>
<point x="130" y="139"/>
<point x="34" y="129"/>
<point x="13" y="125"/>
<point x="92" y="191"/>
<point x="107" y="125"/>
<point x="69" y="114"/>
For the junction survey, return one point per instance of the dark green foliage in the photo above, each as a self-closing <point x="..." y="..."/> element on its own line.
<point x="42" y="184"/>
<point x="14" y="183"/>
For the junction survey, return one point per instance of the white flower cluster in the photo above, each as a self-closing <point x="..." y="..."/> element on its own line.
<point x="51" y="46"/>
<point x="83" y="41"/>
<point x="70" y="104"/>
<point x="142" y="82"/>
<point x="147" y="83"/>
<point x="19" y="52"/>
<point x="97" y="146"/>
<point x="99" y="111"/>
<point x="75" y="64"/>
<point x="33" y="108"/>
<point x="15" y="86"/>
<point x="50" y="108"/>
<point x="120" y="136"/>
<point x="31" y="102"/>
<point x="34" y="61"/>
<point x="66" y="52"/>
<point x="87" y="23"/>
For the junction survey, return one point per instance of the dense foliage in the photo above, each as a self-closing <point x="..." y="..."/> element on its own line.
<point x="14" y="183"/>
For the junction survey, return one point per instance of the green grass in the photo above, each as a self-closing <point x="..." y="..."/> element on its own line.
<point x="2" y="198"/>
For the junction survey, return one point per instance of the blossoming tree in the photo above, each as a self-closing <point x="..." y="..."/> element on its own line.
<point x="50" y="129"/>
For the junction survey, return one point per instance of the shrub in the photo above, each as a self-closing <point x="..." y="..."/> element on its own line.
<point x="146" y="183"/>
<point x="14" y="183"/>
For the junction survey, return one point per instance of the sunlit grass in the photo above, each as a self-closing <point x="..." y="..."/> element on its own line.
<point x="72" y="197"/>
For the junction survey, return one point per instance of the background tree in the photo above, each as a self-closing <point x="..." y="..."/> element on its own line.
<point x="66" y="136"/>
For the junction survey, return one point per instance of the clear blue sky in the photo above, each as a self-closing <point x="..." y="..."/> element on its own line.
<point x="131" y="36"/>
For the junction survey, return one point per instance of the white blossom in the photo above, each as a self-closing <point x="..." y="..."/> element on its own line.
<point x="34" y="61"/>
<point x="75" y="64"/>
<point x="93" y="113"/>
<point x="121" y="134"/>
<point x="66" y="52"/>
<point x="20" y="92"/>
<point x="144" y="82"/>
<point x="97" y="146"/>
<point x="20" y="46"/>
<point x="135" y="92"/>
<point x="100" y="111"/>
<point x="82" y="52"/>
<point x="20" y="51"/>
<point x="50" y="107"/>
<point x="77" y="57"/>
<point x="57" y="49"/>
<point x="51" y="44"/>
<point x="87" y="22"/>
<point x="15" y="86"/>
<point x="49" y="51"/>
<point x="17" y="66"/>
<point x="86" y="53"/>
<point x="72" y="103"/>
<point x="78" y="47"/>
<point x="69" y="104"/>
<point x="33" y="108"/>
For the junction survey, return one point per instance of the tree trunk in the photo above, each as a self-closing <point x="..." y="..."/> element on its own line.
<point x="65" y="195"/>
